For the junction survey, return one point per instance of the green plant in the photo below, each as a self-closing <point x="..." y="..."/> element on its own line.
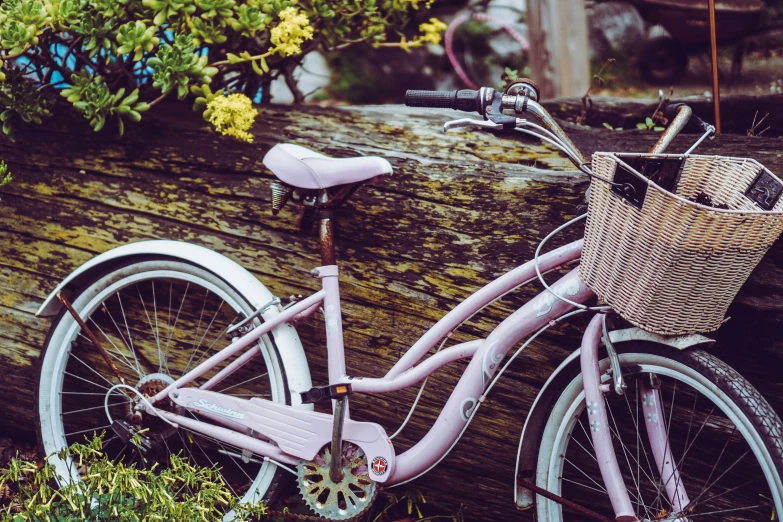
<point x="5" y="174"/>
<point x="649" y="124"/>
<point x="410" y="504"/>
<point x="609" y="126"/>
<point x="112" y="491"/>
<point x="118" y="58"/>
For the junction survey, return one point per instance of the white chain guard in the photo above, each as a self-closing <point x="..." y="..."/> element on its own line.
<point x="299" y="433"/>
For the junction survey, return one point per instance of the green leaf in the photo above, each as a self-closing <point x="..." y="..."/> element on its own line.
<point x="658" y="129"/>
<point x="141" y="107"/>
<point x="120" y="126"/>
<point x="134" y="116"/>
<point x="132" y="97"/>
<point x="641" y="126"/>
<point x="608" y="126"/>
<point x="233" y="58"/>
<point x="264" y="65"/>
<point x="649" y="121"/>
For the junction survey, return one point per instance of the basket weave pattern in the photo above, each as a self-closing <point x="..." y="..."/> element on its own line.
<point x="674" y="266"/>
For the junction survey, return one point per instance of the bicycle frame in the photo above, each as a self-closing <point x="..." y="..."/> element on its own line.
<point x="485" y="355"/>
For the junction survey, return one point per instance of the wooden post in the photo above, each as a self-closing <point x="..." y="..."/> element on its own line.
<point x="558" y="47"/>
<point x="714" y="52"/>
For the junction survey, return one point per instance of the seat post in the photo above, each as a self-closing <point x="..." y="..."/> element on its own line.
<point x="326" y="235"/>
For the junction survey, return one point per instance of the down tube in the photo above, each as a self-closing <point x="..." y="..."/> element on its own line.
<point x="463" y="400"/>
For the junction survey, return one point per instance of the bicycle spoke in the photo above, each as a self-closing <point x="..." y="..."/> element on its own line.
<point x="149" y="322"/>
<point x="176" y="320"/>
<point x="157" y="328"/>
<point x="91" y="369"/>
<point x="88" y="430"/>
<point x="124" y="361"/>
<point x="86" y="380"/>
<point x="725" y="511"/>
<point x="136" y="368"/>
<point x="198" y="327"/>
<point x="584" y="485"/>
<point x="626" y="452"/>
<point x="94" y="408"/>
<point x="202" y="339"/>
<point x="647" y="459"/>
<point x="244" y="382"/>
<point x="217" y="338"/>
<point x="720" y="477"/>
<point x="127" y="329"/>
<point x="588" y="477"/>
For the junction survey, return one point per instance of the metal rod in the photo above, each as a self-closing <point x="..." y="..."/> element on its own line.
<point x="683" y="115"/>
<point x="563" y="501"/>
<point x="326" y="234"/>
<point x="90" y="336"/>
<point x="336" y="464"/>
<point x="714" y="47"/>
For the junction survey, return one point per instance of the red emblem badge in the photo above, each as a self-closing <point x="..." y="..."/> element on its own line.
<point x="379" y="465"/>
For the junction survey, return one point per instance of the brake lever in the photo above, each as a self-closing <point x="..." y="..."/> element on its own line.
<point x="470" y="122"/>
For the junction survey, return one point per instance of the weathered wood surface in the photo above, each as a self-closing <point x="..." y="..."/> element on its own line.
<point x="460" y="210"/>
<point x="737" y="111"/>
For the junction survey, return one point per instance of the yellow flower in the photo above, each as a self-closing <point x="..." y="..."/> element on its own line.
<point x="430" y="32"/>
<point x="232" y="115"/>
<point x="294" y="28"/>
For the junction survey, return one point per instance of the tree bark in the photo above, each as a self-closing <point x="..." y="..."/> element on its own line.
<point x="460" y="210"/>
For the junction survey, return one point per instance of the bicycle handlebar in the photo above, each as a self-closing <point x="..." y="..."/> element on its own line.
<point x="695" y="121"/>
<point x="491" y="105"/>
<point x="463" y="100"/>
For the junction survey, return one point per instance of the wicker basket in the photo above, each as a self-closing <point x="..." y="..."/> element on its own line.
<point x="662" y="260"/>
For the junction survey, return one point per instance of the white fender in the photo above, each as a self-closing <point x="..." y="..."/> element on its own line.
<point x="290" y="347"/>
<point x="536" y="418"/>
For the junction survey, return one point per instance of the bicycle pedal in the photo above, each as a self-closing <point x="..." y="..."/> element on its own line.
<point x="321" y="393"/>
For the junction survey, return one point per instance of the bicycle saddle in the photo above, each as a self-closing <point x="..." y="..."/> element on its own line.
<point x="307" y="169"/>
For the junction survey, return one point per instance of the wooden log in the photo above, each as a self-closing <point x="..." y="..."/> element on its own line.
<point x="460" y="210"/>
<point x="737" y="112"/>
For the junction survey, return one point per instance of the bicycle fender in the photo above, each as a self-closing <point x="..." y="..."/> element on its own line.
<point x="527" y="453"/>
<point x="293" y="356"/>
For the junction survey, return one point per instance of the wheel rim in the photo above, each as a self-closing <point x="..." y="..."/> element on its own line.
<point x="712" y="498"/>
<point x="255" y="477"/>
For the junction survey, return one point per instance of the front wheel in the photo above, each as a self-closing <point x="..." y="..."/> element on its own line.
<point x="156" y="318"/>
<point x="724" y="439"/>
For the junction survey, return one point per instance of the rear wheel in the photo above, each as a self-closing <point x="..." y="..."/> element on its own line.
<point x="156" y="319"/>
<point x="725" y="439"/>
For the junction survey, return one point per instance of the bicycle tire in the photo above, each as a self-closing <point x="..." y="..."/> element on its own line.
<point x="755" y="415"/>
<point x="64" y="331"/>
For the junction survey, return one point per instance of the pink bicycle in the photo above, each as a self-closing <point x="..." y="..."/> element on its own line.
<point x="179" y="349"/>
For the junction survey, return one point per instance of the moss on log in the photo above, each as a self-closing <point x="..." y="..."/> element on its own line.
<point x="460" y="210"/>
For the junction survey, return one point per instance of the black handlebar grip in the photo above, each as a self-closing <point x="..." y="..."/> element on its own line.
<point x="464" y="100"/>
<point x="468" y="100"/>
<point x="701" y="124"/>
<point x="694" y="121"/>
<point x="434" y="99"/>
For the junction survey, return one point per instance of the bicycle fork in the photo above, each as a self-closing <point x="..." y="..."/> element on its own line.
<point x="601" y="434"/>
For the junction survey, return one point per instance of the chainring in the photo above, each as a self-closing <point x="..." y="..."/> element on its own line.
<point x="349" y="499"/>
